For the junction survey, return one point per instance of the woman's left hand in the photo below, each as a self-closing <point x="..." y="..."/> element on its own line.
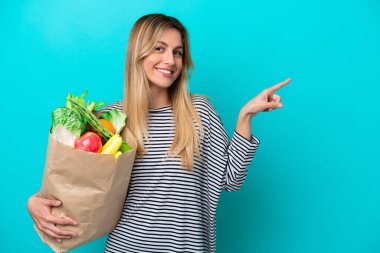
<point x="266" y="100"/>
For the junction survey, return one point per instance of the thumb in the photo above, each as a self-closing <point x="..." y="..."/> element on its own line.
<point x="52" y="202"/>
<point x="273" y="105"/>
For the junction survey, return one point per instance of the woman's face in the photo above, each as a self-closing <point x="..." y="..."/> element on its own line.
<point x="164" y="64"/>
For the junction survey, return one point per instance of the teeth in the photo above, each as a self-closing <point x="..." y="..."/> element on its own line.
<point x="165" y="71"/>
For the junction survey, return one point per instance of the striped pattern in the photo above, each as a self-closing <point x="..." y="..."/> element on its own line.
<point x="168" y="208"/>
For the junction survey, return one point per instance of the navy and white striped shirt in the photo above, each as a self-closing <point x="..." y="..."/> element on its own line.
<point x="169" y="208"/>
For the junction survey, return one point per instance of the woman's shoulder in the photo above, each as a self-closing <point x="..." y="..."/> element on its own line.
<point x="205" y="109"/>
<point x="118" y="105"/>
<point x="202" y="103"/>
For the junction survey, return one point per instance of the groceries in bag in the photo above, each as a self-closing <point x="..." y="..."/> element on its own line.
<point x="88" y="169"/>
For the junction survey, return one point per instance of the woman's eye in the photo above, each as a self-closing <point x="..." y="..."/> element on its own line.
<point x="159" y="49"/>
<point x="178" y="54"/>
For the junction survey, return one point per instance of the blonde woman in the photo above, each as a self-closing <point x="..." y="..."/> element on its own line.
<point x="185" y="158"/>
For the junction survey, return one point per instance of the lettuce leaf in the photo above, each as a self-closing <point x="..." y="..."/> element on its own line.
<point x="116" y="118"/>
<point x="62" y="135"/>
<point x="69" y="119"/>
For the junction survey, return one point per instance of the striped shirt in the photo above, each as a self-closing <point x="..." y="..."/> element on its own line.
<point x="169" y="208"/>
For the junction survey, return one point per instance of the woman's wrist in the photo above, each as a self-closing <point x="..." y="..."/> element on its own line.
<point x="243" y="124"/>
<point x="245" y="115"/>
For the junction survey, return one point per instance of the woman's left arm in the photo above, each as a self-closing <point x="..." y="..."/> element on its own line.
<point x="228" y="159"/>
<point x="243" y="145"/>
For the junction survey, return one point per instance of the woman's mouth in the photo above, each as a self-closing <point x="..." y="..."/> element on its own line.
<point x="165" y="72"/>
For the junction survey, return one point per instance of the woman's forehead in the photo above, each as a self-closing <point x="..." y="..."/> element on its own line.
<point x="171" y="37"/>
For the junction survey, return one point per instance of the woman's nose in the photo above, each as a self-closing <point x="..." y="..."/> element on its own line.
<point x="168" y="58"/>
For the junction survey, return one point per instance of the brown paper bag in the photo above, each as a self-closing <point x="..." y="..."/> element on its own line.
<point x="92" y="188"/>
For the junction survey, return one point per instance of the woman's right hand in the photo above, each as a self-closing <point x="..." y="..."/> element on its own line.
<point x="40" y="210"/>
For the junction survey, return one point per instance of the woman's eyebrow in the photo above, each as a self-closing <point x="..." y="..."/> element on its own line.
<point x="165" y="44"/>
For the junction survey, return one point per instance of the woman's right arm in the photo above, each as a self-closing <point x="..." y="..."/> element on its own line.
<point x="40" y="210"/>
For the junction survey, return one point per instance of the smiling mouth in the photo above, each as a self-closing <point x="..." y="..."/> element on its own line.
<point x="165" y="71"/>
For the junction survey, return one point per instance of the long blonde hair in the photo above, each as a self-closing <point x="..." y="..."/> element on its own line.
<point x="144" y="36"/>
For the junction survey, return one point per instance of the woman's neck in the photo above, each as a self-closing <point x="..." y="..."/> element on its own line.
<point x="159" y="98"/>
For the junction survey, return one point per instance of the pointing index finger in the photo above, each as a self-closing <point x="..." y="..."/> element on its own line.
<point x="279" y="85"/>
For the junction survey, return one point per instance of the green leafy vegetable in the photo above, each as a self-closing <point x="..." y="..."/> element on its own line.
<point x="94" y="122"/>
<point x="116" y="118"/>
<point x="62" y="135"/>
<point x="125" y="147"/>
<point x="68" y="118"/>
<point x="104" y="133"/>
<point x="89" y="105"/>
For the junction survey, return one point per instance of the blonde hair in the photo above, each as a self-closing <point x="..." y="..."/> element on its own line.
<point x="143" y="38"/>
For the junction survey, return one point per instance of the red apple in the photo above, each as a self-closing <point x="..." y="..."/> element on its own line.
<point x="89" y="142"/>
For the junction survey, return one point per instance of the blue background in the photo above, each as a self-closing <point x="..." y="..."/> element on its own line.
<point x="314" y="183"/>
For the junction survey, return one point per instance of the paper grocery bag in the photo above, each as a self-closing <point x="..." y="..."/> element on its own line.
<point x="92" y="188"/>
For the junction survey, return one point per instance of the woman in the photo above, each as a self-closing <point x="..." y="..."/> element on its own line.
<point x="185" y="158"/>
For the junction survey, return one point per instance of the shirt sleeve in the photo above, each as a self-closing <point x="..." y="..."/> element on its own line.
<point x="230" y="157"/>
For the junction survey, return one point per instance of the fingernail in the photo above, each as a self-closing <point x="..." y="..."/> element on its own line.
<point x="59" y="240"/>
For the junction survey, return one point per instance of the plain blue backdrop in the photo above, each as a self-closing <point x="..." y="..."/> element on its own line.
<point x="314" y="183"/>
